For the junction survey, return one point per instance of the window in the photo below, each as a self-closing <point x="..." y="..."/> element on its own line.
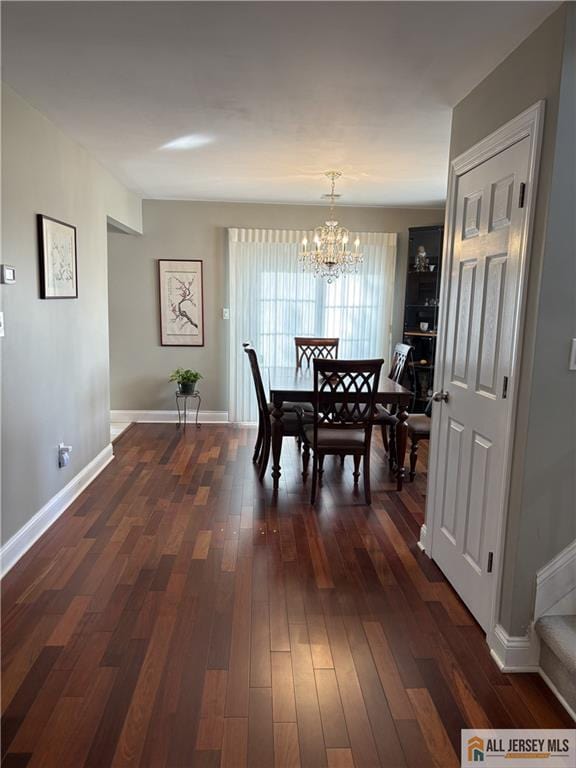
<point x="272" y="300"/>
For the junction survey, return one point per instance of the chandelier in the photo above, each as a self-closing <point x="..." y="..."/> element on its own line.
<point x="329" y="255"/>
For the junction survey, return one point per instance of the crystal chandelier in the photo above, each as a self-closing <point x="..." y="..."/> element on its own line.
<point x="329" y="255"/>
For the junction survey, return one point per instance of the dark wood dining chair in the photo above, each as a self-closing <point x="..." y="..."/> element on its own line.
<point x="309" y="348"/>
<point x="386" y="418"/>
<point x="419" y="425"/>
<point x="290" y="420"/>
<point x="344" y="397"/>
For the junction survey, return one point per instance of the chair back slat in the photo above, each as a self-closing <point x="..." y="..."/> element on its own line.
<point x="310" y="348"/>
<point x="345" y="392"/>
<point x="400" y="358"/>
<point x="257" y="378"/>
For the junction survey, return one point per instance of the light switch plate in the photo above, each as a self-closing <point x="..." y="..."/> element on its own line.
<point x="572" y="365"/>
<point x="7" y="274"/>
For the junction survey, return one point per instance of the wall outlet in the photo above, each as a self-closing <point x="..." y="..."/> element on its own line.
<point x="64" y="452"/>
<point x="1" y="323"/>
<point x="572" y="365"/>
<point x="225" y="313"/>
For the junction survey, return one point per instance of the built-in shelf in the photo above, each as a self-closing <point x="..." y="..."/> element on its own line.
<point x="422" y="286"/>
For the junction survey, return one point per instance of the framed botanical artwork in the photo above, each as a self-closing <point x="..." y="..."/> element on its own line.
<point x="181" y="303"/>
<point x="58" y="260"/>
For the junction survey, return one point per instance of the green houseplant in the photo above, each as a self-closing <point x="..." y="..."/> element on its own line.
<point x="186" y="380"/>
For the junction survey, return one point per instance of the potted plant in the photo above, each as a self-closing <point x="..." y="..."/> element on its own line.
<point x="186" y="380"/>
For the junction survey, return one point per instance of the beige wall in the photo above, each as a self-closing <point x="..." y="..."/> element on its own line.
<point x="542" y="512"/>
<point x="183" y="230"/>
<point x="55" y="384"/>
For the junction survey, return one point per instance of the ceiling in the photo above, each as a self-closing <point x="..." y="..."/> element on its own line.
<point x="264" y="97"/>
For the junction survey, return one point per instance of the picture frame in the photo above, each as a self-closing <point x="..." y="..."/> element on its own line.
<point x="181" y="295"/>
<point x="58" y="258"/>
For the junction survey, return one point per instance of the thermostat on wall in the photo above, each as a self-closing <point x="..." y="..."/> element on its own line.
<point x="7" y="274"/>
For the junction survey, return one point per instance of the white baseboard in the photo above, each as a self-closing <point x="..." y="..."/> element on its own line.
<point x="513" y="653"/>
<point x="169" y="417"/>
<point x="423" y="538"/>
<point x="555" y="580"/>
<point x="522" y="654"/>
<point x="557" y="693"/>
<point x="21" y="542"/>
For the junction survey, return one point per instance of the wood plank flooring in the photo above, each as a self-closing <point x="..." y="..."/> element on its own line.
<point x="180" y="615"/>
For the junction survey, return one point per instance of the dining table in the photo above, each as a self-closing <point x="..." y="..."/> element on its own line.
<point x="291" y="385"/>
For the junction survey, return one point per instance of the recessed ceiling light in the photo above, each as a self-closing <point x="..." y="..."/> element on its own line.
<point x="191" y="141"/>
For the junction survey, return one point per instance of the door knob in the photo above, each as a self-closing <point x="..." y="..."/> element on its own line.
<point x="440" y="396"/>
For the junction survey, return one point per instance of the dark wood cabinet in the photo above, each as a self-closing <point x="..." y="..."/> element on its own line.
<point x="421" y="308"/>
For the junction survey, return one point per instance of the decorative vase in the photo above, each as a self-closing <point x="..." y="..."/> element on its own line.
<point x="187" y="387"/>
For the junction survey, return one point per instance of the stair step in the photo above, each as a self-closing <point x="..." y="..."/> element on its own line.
<point x="558" y="656"/>
<point x="559" y="634"/>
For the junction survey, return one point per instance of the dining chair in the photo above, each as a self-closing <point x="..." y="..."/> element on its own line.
<point x="419" y="425"/>
<point x="309" y="348"/>
<point x="386" y="418"/>
<point x="344" y="397"/>
<point x="290" y="420"/>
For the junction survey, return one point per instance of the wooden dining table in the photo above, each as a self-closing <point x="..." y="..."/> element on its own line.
<point x="290" y="385"/>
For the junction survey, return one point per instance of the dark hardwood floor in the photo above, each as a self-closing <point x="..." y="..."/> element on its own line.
<point x="178" y="615"/>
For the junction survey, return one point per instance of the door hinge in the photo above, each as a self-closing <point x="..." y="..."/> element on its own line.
<point x="505" y="388"/>
<point x="490" y="561"/>
<point x="522" y="195"/>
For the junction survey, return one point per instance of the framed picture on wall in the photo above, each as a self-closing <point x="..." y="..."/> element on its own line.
<point x="58" y="260"/>
<point x="181" y="303"/>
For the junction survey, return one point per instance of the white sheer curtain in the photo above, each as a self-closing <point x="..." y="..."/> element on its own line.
<point x="272" y="300"/>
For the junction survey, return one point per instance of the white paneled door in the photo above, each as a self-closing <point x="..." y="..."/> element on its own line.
<point x="484" y="260"/>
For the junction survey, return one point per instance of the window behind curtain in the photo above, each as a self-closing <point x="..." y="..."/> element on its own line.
<point x="272" y="300"/>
